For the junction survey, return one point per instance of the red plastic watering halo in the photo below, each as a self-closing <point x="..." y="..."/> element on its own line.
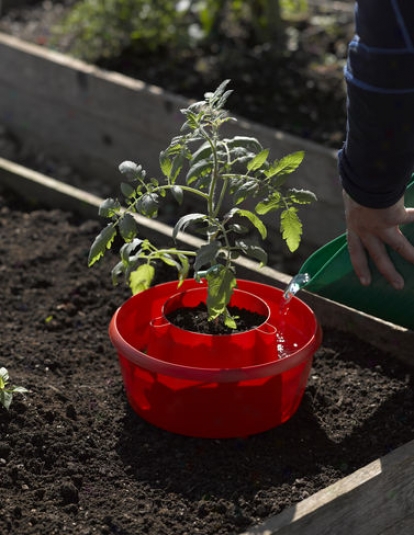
<point x="211" y="400"/>
<point x="237" y="350"/>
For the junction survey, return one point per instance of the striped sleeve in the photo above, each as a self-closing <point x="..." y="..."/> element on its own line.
<point x="377" y="159"/>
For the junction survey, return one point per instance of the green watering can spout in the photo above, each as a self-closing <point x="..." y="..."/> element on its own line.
<point x="331" y="275"/>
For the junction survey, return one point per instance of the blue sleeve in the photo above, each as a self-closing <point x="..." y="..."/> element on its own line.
<point x="377" y="160"/>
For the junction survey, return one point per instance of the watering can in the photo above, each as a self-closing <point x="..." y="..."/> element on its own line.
<point x="332" y="276"/>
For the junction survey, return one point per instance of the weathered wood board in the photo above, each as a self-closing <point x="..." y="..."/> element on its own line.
<point x="378" y="499"/>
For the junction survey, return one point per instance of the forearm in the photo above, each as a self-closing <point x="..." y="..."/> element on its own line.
<point x="378" y="157"/>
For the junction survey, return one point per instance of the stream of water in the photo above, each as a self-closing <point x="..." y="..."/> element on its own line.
<point x="284" y="346"/>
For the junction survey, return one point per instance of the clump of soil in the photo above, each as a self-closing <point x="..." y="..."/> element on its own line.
<point x="76" y="459"/>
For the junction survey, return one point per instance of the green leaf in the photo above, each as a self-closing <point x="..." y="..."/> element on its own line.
<point x="6" y="398"/>
<point x="220" y="95"/>
<point x="177" y="193"/>
<point x="175" y="146"/>
<point x="286" y="165"/>
<point x="291" y="228"/>
<point x="127" y="190"/>
<point x="165" y="164"/>
<point x="247" y="189"/>
<point x="258" y="160"/>
<point x="253" y="250"/>
<point x="184" y="267"/>
<point x="130" y="169"/>
<point x="128" y="227"/>
<point x="147" y="205"/>
<point x="238" y="229"/>
<point x="253" y="219"/>
<point x="19" y="390"/>
<point x="229" y="321"/>
<point x="270" y="204"/>
<point x="203" y="153"/>
<point x="177" y="165"/>
<point x="141" y="278"/>
<point x="193" y="119"/>
<point x="168" y="259"/>
<point x="301" y="196"/>
<point x="184" y="221"/>
<point x="130" y="251"/>
<point x="206" y="254"/>
<point x="246" y="142"/>
<point x="116" y="272"/>
<point x="202" y="182"/>
<point x="4" y="377"/>
<point x="102" y="242"/>
<point x="221" y="282"/>
<point x="198" y="170"/>
<point x="109" y="207"/>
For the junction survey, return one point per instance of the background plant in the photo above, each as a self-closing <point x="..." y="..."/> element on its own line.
<point x="213" y="168"/>
<point x="7" y="392"/>
<point x="104" y="28"/>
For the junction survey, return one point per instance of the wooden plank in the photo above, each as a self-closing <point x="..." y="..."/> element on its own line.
<point x="378" y="499"/>
<point x="394" y="339"/>
<point x="36" y="187"/>
<point x="404" y="526"/>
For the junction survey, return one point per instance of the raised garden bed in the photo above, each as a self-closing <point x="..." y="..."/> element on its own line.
<point x="77" y="460"/>
<point x="109" y="117"/>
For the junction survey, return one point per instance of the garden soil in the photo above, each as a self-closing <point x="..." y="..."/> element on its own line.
<point x="74" y="457"/>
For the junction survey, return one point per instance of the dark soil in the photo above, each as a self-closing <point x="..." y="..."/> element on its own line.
<point x="195" y="319"/>
<point x="74" y="457"/>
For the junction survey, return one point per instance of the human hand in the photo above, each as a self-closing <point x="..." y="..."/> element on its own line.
<point x="369" y="230"/>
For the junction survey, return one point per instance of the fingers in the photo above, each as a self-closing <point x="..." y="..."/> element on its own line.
<point x="375" y="248"/>
<point x="370" y="231"/>
<point x="382" y="261"/>
<point x="401" y="245"/>
<point x="358" y="258"/>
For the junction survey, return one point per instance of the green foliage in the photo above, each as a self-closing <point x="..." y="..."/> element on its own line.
<point x="293" y="7"/>
<point x="201" y="161"/>
<point x="7" y="392"/>
<point x="261" y="18"/>
<point x="103" y="28"/>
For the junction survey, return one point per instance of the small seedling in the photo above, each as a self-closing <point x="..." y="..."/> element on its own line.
<point x="6" y="393"/>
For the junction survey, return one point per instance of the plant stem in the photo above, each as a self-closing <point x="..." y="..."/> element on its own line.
<point x="177" y="252"/>
<point x="220" y="199"/>
<point x="210" y="140"/>
<point x="195" y="191"/>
